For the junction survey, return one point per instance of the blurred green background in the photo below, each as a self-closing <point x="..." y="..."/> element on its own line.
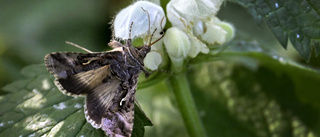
<point x="31" y="29"/>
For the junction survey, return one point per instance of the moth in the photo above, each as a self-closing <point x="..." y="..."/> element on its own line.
<point x="108" y="80"/>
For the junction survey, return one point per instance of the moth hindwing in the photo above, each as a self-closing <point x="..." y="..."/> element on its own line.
<point x="108" y="80"/>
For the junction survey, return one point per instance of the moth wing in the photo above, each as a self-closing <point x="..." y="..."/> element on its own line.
<point x="90" y="74"/>
<point x="64" y="64"/>
<point x="78" y="73"/>
<point x="105" y="109"/>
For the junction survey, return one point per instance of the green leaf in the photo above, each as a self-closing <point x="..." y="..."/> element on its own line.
<point x="298" y="20"/>
<point x="264" y="93"/>
<point x="34" y="106"/>
<point x="210" y="86"/>
<point x="140" y="120"/>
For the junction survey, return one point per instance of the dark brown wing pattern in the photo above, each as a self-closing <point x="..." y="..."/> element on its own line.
<point x="90" y="75"/>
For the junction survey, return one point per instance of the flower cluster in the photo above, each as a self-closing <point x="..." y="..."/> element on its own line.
<point x="194" y="27"/>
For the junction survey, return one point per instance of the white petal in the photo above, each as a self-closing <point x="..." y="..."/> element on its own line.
<point x="175" y="18"/>
<point x="196" y="47"/>
<point x="135" y="14"/>
<point x="229" y="29"/>
<point x="200" y="9"/>
<point x="177" y="43"/>
<point x="185" y="13"/>
<point x="214" y="34"/>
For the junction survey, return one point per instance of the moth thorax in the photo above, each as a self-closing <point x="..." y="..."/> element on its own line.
<point x="144" y="51"/>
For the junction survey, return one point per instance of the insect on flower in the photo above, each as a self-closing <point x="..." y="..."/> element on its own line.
<point x="108" y="80"/>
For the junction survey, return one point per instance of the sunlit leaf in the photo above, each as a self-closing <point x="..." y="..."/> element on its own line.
<point x="33" y="106"/>
<point x="296" y="20"/>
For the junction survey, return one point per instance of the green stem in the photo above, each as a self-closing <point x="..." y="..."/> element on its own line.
<point x="180" y="87"/>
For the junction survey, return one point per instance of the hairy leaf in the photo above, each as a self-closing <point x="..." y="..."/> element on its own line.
<point x="296" y="20"/>
<point x="33" y="106"/>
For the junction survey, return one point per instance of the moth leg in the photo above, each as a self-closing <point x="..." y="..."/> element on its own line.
<point x="87" y="62"/>
<point x="129" y="98"/>
<point x="91" y="59"/>
<point x="122" y="100"/>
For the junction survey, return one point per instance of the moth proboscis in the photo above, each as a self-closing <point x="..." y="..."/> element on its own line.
<point x="108" y="80"/>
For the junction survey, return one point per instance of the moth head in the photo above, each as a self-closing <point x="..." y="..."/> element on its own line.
<point x="144" y="51"/>
<point x="147" y="47"/>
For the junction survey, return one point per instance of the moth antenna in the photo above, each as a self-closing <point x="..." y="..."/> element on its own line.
<point x="70" y="43"/>
<point x="130" y="29"/>
<point x="129" y="39"/>
<point x="161" y="32"/>
<point x="152" y="36"/>
<point x="149" y="39"/>
<point x="112" y="28"/>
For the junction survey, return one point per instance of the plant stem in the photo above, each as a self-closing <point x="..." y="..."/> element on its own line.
<point x="180" y="87"/>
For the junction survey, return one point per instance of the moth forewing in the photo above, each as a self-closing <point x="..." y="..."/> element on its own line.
<point x="108" y="80"/>
<point x="77" y="73"/>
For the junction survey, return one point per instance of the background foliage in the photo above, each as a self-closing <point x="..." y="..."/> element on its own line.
<point x="253" y="88"/>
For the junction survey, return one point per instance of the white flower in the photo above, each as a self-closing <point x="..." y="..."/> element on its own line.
<point x="194" y="25"/>
<point x="185" y="13"/>
<point x="136" y="14"/>
<point x="196" y="47"/>
<point x="214" y="31"/>
<point x="178" y="45"/>
<point x="195" y="17"/>
<point x="141" y="15"/>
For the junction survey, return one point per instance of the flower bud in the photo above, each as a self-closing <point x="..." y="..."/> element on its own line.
<point x="228" y="28"/>
<point x="177" y="45"/>
<point x="152" y="60"/>
<point x="214" y="34"/>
